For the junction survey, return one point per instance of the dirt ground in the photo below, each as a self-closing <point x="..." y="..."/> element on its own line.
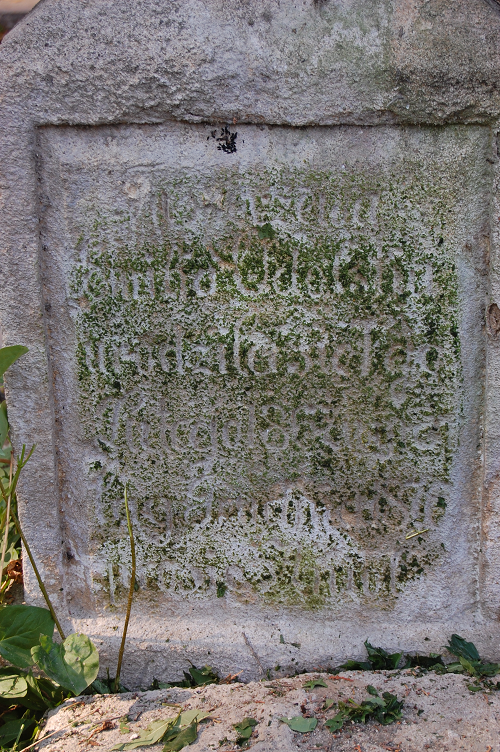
<point x="439" y="713"/>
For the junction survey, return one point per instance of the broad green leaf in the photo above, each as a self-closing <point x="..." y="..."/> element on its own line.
<point x="385" y="710"/>
<point x="381" y="659"/>
<point x="20" y="630"/>
<point x="188" y="716"/>
<point x="9" y="732"/>
<point x="312" y="683"/>
<point x="334" y="724"/>
<point x="202" y="676"/>
<point x="124" y="727"/>
<point x="48" y="694"/>
<point x="463" y="649"/>
<point x="245" y="729"/>
<point x="374" y="702"/>
<point x="455" y="668"/>
<point x="182" y="739"/>
<point x="301" y="724"/>
<point x="74" y="664"/>
<point x="9" y="355"/>
<point x="100" y="687"/>
<point x="468" y="666"/>
<point x="351" y="665"/>
<point x="168" y="729"/>
<point x="425" y="661"/>
<point x="27" y="690"/>
<point x="4" y="423"/>
<point x="488" y="669"/>
<point x="13" y="685"/>
<point x="152" y="735"/>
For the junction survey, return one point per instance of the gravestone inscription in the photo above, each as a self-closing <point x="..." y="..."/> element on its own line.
<point x="265" y="344"/>
<point x="253" y="253"/>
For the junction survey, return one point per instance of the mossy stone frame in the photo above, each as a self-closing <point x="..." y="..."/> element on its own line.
<point x="263" y="293"/>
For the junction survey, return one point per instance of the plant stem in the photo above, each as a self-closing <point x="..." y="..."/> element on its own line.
<point x="21" y="462"/>
<point x="14" y="748"/>
<point x="130" y="594"/>
<point x="37" y="573"/>
<point x="7" y="519"/>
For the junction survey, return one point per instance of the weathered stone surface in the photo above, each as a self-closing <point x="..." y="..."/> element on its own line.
<point x="268" y="349"/>
<point x="253" y="251"/>
<point x="439" y="713"/>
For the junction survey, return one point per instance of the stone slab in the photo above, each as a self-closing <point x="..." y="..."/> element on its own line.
<point x="439" y="713"/>
<point x="253" y="253"/>
<point x="275" y="337"/>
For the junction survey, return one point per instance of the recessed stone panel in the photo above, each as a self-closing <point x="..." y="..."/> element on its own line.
<point x="274" y="337"/>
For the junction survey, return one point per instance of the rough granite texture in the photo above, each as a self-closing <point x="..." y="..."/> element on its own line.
<point x="252" y="248"/>
<point x="439" y="713"/>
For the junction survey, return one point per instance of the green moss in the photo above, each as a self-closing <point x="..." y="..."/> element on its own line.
<point x="279" y="385"/>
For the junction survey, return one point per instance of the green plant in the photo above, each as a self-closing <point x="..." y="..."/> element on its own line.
<point x="26" y="632"/>
<point x="130" y="593"/>
<point x="385" y="710"/>
<point x="469" y="660"/>
<point x="26" y="642"/>
<point x="176" y="733"/>
<point x="9" y="537"/>
<point x="378" y="659"/>
<point x="300" y="724"/>
<point x="245" y="730"/>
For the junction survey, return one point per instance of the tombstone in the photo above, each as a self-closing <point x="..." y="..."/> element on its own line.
<point x="253" y="251"/>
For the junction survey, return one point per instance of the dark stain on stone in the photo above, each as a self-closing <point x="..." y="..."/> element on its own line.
<point x="494" y="319"/>
<point x="226" y="141"/>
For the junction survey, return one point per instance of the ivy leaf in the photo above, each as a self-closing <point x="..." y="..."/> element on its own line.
<point x="20" y="630"/>
<point x="301" y="724"/>
<point x="74" y="664"/>
<point x="9" y="355"/>
<point x="312" y="683"/>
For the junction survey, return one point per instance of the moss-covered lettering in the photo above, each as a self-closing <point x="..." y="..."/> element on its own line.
<point x="275" y="367"/>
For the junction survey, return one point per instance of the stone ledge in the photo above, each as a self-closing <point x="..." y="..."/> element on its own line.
<point x="439" y="713"/>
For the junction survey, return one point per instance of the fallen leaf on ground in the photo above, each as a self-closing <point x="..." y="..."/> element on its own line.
<point x="301" y="724"/>
<point x="312" y="683"/>
<point x="245" y="729"/>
